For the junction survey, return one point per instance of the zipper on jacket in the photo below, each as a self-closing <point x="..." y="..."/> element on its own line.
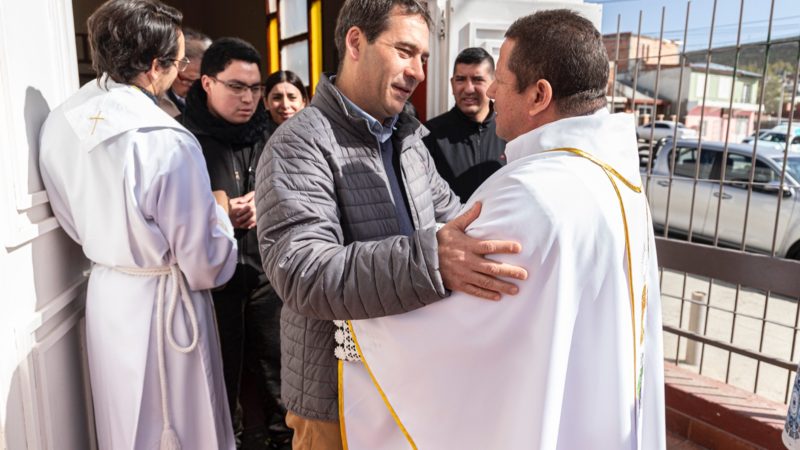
<point x="241" y="242"/>
<point x="411" y="204"/>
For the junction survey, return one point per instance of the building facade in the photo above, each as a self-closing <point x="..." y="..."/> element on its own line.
<point x="626" y="49"/>
<point x="713" y="99"/>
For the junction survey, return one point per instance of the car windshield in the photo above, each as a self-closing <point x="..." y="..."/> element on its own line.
<point x="680" y="125"/>
<point x="792" y="165"/>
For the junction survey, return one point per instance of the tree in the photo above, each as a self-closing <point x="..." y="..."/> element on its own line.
<point x="779" y="78"/>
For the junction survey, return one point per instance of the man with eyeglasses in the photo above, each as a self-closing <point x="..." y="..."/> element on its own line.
<point x="128" y="184"/>
<point x="224" y="110"/>
<point x="174" y="100"/>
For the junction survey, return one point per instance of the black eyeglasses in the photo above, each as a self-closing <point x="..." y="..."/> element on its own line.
<point x="181" y="64"/>
<point x="241" y="89"/>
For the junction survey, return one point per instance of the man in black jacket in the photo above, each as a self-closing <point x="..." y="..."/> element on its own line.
<point x="225" y="112"/>
<point x="463" y="142"/>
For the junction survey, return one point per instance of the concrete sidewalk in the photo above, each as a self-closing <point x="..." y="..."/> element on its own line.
<point x="718" y="322"/>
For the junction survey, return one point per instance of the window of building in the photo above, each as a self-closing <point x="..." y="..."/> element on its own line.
<point x="724" y="87"/>
<point x="294" y="32"/>
<point x="699" y="84"/>
<point x="747" y="92"/>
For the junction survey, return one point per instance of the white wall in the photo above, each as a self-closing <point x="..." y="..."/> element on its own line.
<point x="475" y="23"/>
<point x="43" y="399"/>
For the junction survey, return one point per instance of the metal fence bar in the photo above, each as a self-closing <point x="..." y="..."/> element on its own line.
<point x="616" y="66"/>
<point x="636" y="60"/>
<point x="702" y="122"/>
<point x="777" y="362"/>
<point x="732" y="266"/>
<point x="722" y="178"/>
<point x="705" y="326"/>
<point x="733" y="331"/>
<point x="724" y="166"/>
<point x="680" y="320"/>
<point x="721" y="309"/>
<point x="682" y="61"/>
<point x="650" y="151"/>
<point x="792" y="350"/>
<point x="761" y="340"/>
<point x="755" y="141"/>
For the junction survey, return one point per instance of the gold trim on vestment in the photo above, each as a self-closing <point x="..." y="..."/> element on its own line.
<point x="380" y="390"/>
<point x="342" y="428"/>
<point x="611" y="173"/>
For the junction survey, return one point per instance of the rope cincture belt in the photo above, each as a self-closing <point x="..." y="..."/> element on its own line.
<point x="169" y="439"/>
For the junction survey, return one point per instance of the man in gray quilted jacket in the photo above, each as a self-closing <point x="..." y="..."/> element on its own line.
<point x="348" y="202"/>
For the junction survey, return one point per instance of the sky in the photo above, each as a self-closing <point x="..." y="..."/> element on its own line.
<point x="755" y="19"/>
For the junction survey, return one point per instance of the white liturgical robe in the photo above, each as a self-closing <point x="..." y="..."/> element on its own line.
<point x="130" y="185"/>
<point x="575" y="360"/>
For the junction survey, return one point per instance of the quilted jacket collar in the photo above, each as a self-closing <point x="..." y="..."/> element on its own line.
<point x="331" y="103"/>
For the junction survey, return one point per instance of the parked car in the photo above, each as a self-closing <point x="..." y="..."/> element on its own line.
<point x="664" y="129"/>
<point x="729" y="197"/>
<point x="785" y="127"/>
<point x="750" y="138"/>
<point x="774" y="139"/>
<point x="650" y="148"/>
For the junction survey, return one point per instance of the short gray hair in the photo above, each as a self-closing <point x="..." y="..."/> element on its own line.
<point x="196" y="43"/>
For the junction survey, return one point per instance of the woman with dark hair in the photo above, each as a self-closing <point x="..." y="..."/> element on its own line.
<point x="286" y="95"/>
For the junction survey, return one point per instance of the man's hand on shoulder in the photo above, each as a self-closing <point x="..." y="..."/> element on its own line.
<point x="463" y="265"/>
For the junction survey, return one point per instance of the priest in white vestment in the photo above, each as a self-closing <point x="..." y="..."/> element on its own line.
<point x="129" y="184"/>
<point x="575" y="360"/>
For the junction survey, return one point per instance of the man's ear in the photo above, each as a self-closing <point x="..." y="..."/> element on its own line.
<point x="539" y="96"/>
<point x="154" y="72"/>
<point x="354" y="40"/>
<point x="205" y="81"/>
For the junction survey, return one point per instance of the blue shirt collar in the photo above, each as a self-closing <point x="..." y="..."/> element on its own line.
<point x="381" y="131"/>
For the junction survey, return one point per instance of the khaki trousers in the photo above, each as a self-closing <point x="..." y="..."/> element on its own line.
<point x="310" y="434"/>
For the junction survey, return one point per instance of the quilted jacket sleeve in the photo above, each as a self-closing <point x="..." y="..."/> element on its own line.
<point x="302" y="245"/>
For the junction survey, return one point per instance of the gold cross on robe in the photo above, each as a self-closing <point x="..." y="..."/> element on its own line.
<point x="96" y="119"/>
